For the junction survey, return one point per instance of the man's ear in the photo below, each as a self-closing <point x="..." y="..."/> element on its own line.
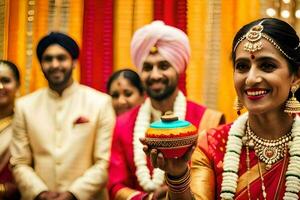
<point x="74" y="63"/>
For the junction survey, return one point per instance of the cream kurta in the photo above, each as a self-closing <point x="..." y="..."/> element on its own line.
<point x="62" y="143"/>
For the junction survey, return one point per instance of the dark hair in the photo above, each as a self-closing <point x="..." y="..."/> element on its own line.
<point x="13" y="68"/>
<point x="282" y="33"/>
<point x="128" y="74"/>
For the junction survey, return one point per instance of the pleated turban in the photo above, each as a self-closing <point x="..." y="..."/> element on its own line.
<point x="171" y="43"/>
<point x="57" y="38"/>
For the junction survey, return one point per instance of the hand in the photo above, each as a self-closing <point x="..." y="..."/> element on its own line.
<point x="174" y="167"/>
<point x="160" y="193"/>
<point x="47" y="195"/>
<point x="65" y="196"/>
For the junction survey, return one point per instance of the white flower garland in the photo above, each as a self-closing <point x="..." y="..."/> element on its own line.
<point x="232" y="160"/>
<point x="141" y="125"/>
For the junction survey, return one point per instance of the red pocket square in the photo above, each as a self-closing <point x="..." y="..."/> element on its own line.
<point x="81" y="120"/>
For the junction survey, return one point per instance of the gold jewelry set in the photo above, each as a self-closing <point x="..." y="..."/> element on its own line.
<point x="268" y="151"/>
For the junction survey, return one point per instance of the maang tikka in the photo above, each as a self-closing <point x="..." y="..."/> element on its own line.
<point x="254" y="42"/>
<point x="253" y="38"/>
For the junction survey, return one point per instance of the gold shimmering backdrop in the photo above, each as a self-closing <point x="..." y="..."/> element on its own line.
<point x="103" y="29"/>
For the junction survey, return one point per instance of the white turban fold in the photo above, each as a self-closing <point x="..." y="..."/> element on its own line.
<point x="172" y="44"/>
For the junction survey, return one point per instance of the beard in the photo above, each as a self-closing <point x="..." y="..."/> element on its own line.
<point x="169" y="89"/>
<point x="58" y="82"/>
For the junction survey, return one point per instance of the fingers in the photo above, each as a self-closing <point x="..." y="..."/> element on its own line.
<point x="161" y="161"/>
<point x="187" y="156"/>
<point x="143" y="141"/>
<point x="146" y="150"/>
<point x="153" y="157"/>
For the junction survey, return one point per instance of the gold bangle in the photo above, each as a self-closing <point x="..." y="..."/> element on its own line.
<point x="178" y="180"/>
<point x="179" y="185"/>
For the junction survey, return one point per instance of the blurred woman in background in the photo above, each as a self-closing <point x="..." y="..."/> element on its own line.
<point x="9" y="84"/>
<point x="126" y="90"/>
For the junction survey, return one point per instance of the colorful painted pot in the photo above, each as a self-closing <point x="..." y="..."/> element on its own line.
<point x="171" y="136"/>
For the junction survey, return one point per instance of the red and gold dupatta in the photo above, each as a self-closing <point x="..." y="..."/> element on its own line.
<point x="273" y="180"/>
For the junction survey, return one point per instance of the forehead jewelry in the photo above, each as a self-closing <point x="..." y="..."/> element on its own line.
<point x="254" y="36"/>
<point x="153" y="50"/>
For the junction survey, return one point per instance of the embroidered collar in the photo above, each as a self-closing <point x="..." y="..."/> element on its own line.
<point x="67" y="92"/>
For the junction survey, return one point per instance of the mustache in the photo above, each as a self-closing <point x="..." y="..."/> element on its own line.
<point x="152" y="81"/>
<point x="53" y="70"/>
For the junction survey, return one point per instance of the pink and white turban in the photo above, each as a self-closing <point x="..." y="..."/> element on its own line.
<point x="172" y="44"/>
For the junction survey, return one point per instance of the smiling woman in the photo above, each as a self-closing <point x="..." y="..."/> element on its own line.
<point x="257" y="156"/>
<point x="126" y="90"/>
<point x="9" y="84"/>
<point x="261" y="82"/>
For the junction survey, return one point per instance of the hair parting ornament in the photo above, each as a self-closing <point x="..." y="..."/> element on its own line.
<point x="253" y="37"/>
<point x="254" y="43"/>
<point x="297" y="46"/>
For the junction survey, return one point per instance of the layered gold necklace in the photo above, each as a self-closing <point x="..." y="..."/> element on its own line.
<point x="268" y="151"/>
<point x="236" y="139"/>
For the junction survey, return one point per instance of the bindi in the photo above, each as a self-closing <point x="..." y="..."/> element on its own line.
<point x="252" y="56"/>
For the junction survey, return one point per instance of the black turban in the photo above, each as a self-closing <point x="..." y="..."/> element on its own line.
<point x="57" y="38"/>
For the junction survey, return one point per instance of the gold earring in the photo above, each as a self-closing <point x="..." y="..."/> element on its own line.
<point x="292" y="105"/>
<point x="238" y="106"/>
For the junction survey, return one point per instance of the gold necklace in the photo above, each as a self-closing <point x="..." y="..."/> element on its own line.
<point x="5" y="122"/>
<point x="268" y="151"/>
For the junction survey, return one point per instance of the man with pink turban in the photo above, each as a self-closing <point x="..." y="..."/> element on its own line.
<point x="171" y="43"/>
<point x="161" y="53"/>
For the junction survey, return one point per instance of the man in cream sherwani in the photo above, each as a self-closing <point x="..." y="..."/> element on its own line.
<point x="62" y="133"/>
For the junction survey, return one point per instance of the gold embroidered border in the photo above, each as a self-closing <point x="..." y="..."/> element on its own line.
<point x="29" y="43"/>
<point x="58" y="15"/>
<point x="124" y="193"/>
<point x="64" y="16"/>
<point x="249" y="178"/>
<point x="212" y="54"/>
